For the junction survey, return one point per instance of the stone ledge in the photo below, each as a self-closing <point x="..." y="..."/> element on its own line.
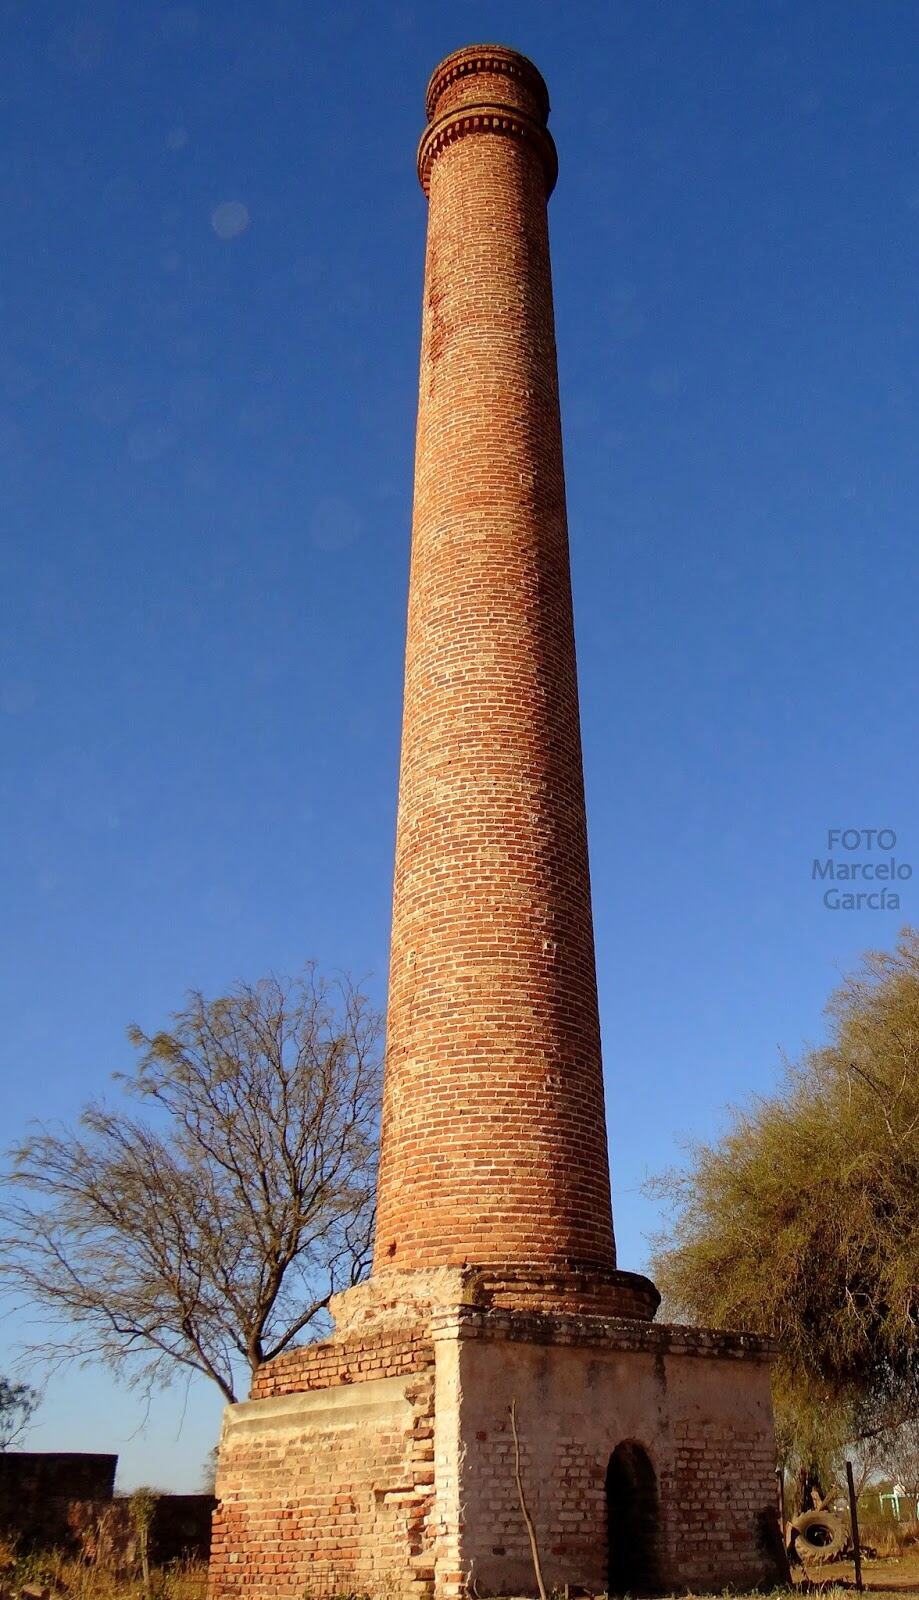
<point x="399" y="1303"/>
<point x="399" y="1297"/>
<point x="612" y="1333"/>
<point x="338" y="1404"/>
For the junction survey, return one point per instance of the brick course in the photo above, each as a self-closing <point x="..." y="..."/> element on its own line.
<point x="354" y="1360"/>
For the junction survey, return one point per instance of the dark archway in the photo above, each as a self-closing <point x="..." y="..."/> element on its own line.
<point x="632" y="1520"/>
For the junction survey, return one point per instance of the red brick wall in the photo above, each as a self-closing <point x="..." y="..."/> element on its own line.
<point x="324" y="1501"/>
<point x="494" y="1141"/>
<point x="355" y="1360"/>
<point x="721" y="1493"/>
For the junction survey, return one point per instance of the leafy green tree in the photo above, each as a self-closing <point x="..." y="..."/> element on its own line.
<point x="207" y="1232"/>
<point x="802" y="1221"/>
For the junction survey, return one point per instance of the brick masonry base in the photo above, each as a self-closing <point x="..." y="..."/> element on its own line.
<point x="381" y="1462"/>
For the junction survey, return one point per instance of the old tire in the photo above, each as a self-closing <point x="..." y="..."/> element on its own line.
<point x="819" y="1535"/>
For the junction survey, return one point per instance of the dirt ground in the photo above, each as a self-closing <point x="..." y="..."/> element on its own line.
<point x="885" y="1575"/>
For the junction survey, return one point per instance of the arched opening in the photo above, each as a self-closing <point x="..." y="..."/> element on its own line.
<point x="631" y="1520"/>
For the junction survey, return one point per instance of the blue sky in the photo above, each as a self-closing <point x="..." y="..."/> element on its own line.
<point x="213" y="245"/>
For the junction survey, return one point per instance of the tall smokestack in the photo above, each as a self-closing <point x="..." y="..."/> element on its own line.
<point x="494" y="1140"/>
<point x="379" y="1461"/>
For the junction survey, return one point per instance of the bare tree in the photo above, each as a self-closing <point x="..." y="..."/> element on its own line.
<point x="18" y="1401"/>
<point x="209" y="1232"/>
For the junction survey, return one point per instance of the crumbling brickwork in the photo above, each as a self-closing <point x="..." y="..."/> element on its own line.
<point x="393" y="1354"/>
<point x="723" y="1480"/>
<point x="326" y="1476"/>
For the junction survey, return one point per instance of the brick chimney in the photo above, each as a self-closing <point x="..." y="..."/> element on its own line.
<point x="494" y="1140"/>
<point x="379" y="1461"/>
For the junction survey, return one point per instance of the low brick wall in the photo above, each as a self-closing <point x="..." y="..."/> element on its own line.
<point x="37" y="1487"/>
<point x="182" y="1526"/>
<point x="106" y="1532"/>
<point x="326" y="1477"/>
<point x="53" y="1500"/>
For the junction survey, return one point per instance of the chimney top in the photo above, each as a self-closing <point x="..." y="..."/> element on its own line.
<point x="525" y="91"/>
<point x="492" y="89"/>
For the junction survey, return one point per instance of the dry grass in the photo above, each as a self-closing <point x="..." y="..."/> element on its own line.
<point x="894" y="1573"/>
<point x="892" y="1540"/>
<point x="71" y="1578"/>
